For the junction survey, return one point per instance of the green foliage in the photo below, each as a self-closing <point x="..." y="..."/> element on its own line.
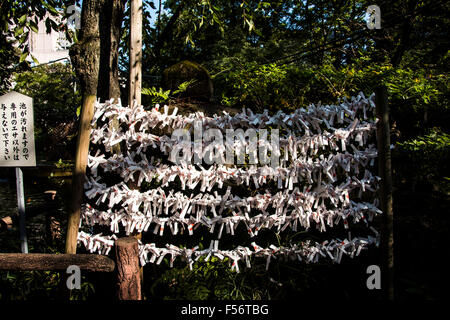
<point x="299" y="54"/>
<point x="24" y="16"/>
<point x="52" y="88"/>
<point x="426" y="157"/>
<point x="161" y="96"/>
<point x="29" y="284"/>
<point x="9" y="63"/>
<point x="209" y="280"/>
<point x="86" y="289"/>
<point x="414" y="95"/>
<point x="39" y="285"/>
<point x="61" y="164"/>
<point x="55" y="100"/>
<point x="157" y="96"/>
<point x="265" y="86"/>
<point x="184" y="86"/>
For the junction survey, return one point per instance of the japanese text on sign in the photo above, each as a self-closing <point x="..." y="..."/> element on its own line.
<point x="17" y="131"/>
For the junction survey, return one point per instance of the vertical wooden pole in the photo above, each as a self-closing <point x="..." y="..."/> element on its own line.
<point x="128" y="273"/>
<point x="135" y="80"/>
<point x="79" y="173"/>
<point x="384" y="171"/>
<point x="21" y="207"/>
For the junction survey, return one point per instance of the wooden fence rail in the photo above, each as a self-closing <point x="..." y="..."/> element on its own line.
<point x="42" y="261"/>
<point x="126" y="265"/>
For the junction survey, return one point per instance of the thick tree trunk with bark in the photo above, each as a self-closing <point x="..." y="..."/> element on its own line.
<point x="111" y="18"/>
<point x="85" y="54"/>
<point x="86" y="61"/>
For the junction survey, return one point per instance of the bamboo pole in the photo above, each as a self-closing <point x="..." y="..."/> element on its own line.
<point x="385" y="172"/>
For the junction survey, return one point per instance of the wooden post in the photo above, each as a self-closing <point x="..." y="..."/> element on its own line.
<point x="135" y="80"/>
<point x="21" y="207"/>
<point x="79" y="173"/>
<point x="128" y="273"/>
<point x="384" y="171"/>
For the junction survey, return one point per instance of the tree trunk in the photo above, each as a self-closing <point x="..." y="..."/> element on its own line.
<point x="128" y="277"/>
<point x="111" y="18"/>
<point x="384" y="169"/>
<point x="159" y="19"/>
<point x="85" y="57"/>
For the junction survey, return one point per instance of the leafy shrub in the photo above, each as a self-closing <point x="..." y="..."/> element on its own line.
<point x="33" y="285"/>
<point x="52" y="89"/>
<point x="261" y="86"/>
<point x="425" y="157"/>
<point x="161" y="96"/>
<point x="211" y="279"/>
<point x="55" y="108"/>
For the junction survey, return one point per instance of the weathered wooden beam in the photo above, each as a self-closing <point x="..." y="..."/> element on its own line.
<point x="128" y="272"/>
<point x="45" y="262"/>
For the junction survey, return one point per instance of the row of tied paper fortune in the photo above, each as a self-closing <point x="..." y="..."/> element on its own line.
<point x="322" y="177"/>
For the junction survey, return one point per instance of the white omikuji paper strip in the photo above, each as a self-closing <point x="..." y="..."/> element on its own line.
<point x="302" y="119"/>
<point x="190" y="176"/>
<point x="291" y="208"/>
<point x="290" y="144"/>
<point x="308" y="251"/>
<point x="140" y="210"/>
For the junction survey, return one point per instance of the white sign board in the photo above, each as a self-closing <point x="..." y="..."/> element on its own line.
<point x="17" y="131"/>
